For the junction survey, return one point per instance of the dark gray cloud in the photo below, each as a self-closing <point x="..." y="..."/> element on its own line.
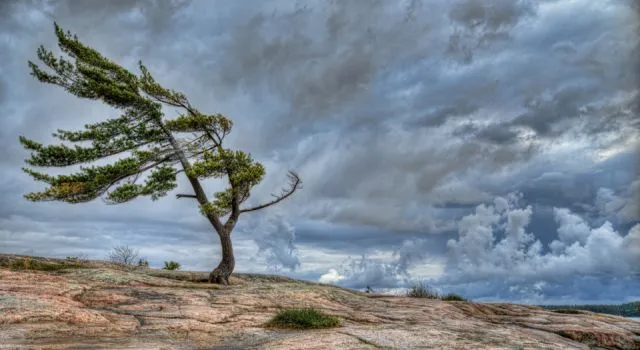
<point x="625" y="207"/>
<point x="542" y="115"/>
<point x="481" y="24"/>
<point x="499" y="134"/>
<point x="440" y="115"/>
<point x="3" y="90"/>
<point x="401" y="118"/>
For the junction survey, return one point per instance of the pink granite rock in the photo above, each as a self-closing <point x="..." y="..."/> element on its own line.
<point x="103" y="307"/>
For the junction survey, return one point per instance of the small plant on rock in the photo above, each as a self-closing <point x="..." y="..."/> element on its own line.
<point x="421" y="290"/>
<point x="453" y="297"/>
<point x="26" y="262"/>
<point x="143" y="263"/>
<point x="302" y="319"/>
<point x="171" y="265"/>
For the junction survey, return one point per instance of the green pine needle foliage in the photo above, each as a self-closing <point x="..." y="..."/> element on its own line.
<point x="151" y="151"/>
<point x="171" y="265"/>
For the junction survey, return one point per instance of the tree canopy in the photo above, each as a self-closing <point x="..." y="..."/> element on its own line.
<point x="152" y="148"/>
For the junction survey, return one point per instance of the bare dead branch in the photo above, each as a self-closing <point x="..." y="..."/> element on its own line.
<point x="294" y="184"/>
<point x="123" y="255"/>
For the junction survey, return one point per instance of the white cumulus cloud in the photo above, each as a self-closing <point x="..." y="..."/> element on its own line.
<point x="331" y="277"/>
<point x="493" y="244"/>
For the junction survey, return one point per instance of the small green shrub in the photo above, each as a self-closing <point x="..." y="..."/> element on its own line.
<point x="143" y="263"/>
<point x="421" y="290"/>
<point x="302" y="319"/>
<point x="453" y="297"/>
<point x="171" y="265"/>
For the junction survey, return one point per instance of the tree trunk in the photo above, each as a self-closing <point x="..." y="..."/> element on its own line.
<point x="221" y="273"/>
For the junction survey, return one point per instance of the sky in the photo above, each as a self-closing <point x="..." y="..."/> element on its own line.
<point x="484" y="147"/>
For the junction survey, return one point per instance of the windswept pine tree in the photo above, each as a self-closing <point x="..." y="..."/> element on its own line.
<point x="155" y="150"/>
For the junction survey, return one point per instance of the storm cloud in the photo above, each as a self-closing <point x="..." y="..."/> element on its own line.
<point x="409" y="122"/>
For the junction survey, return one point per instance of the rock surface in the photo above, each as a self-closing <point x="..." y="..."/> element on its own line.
<point x="103" y="307"/>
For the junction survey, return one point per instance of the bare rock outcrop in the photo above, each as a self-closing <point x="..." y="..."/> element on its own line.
<point x="103" y="307"/>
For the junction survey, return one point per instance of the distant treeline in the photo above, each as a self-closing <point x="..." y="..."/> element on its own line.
<point x="626" y="310"/>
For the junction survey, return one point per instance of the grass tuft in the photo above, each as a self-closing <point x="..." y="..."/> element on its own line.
<point x="308" y="318"/>
<point x="421" y="290"/>
<point x="453" y="297"/>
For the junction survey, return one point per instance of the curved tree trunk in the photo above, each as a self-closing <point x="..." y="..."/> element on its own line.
<point x="221" y="273"/>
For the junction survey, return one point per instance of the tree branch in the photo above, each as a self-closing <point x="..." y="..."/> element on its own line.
<point x="121" y="178"/>
<point x="186" y="196"/>
<point x="235" y="214"/>
<point x="195" y="183"/>
<point x="294" y="184"/>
